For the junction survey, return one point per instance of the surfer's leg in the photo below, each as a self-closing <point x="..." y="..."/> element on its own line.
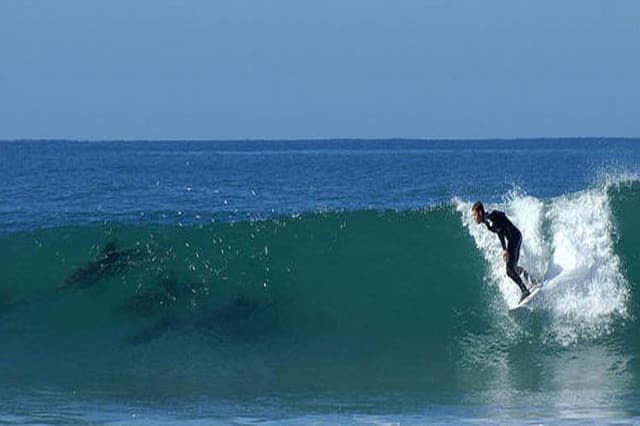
<point x="511" y="272"/>
<point x="530" y="281"/>
<point x="512" y="266"/>
<point x="514" y="253"/>
<point x="523" y="274"/>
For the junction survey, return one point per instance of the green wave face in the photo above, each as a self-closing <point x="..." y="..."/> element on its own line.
<point x="625" y="202"/>
<point x="337" y="273"/>
<point x="321" y="302"/>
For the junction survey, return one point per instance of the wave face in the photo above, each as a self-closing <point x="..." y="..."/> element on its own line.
<point x="344" y="300"/>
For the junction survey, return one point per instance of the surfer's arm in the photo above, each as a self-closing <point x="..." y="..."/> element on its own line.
<point x="504" y="244"/>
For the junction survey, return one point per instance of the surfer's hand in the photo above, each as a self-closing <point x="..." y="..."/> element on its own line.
<point x="505" y="255"/>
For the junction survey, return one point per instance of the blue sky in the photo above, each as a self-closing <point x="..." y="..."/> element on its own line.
<point x="155" y="69"/>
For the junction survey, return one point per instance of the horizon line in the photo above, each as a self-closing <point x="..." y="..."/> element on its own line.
<point x="323" y="139"/>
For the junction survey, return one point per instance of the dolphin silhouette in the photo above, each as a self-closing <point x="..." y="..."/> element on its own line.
<point x="109" y="261"/>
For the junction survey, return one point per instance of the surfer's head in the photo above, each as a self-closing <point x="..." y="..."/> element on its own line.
<point x="477" y="212"/>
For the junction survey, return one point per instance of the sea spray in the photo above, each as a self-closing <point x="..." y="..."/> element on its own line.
<point x="589" y="289"/>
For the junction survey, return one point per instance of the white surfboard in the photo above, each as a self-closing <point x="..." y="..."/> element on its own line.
<point x="534" y="290"/>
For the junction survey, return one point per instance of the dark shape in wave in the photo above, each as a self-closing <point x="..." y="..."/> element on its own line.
<point x="155" y="300"/>
<point x="153" y="332"/>
<point x="237" y="318"/>
<point x="109" y="261"/>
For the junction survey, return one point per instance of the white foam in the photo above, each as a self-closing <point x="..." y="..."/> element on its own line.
<point x="568" y="243"/>
<point x="588" y="288"/>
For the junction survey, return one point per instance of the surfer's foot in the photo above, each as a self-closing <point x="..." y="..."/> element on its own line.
<point x="525" y="294"/>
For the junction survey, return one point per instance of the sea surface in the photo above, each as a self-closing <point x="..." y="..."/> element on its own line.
<point x="317" y="282"/>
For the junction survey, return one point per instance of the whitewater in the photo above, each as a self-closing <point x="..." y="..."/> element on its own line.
<point x="568" y="245"/>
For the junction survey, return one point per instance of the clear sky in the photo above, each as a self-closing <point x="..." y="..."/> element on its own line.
<point x="157" y="69"/>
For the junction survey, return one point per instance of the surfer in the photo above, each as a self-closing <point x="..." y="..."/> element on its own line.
<point x="498" y="222"/>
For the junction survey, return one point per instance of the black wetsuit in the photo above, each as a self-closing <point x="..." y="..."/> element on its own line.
<point x="498" y="222"/>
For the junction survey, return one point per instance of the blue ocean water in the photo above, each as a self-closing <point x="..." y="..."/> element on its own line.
<point x="49" y="183"/>
<point x="316" y="282"/>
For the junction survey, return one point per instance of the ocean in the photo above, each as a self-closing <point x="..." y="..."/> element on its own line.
<point x="317" y="282"/>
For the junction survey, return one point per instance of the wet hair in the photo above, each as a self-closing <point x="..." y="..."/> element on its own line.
<point x="478" y="207"/>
